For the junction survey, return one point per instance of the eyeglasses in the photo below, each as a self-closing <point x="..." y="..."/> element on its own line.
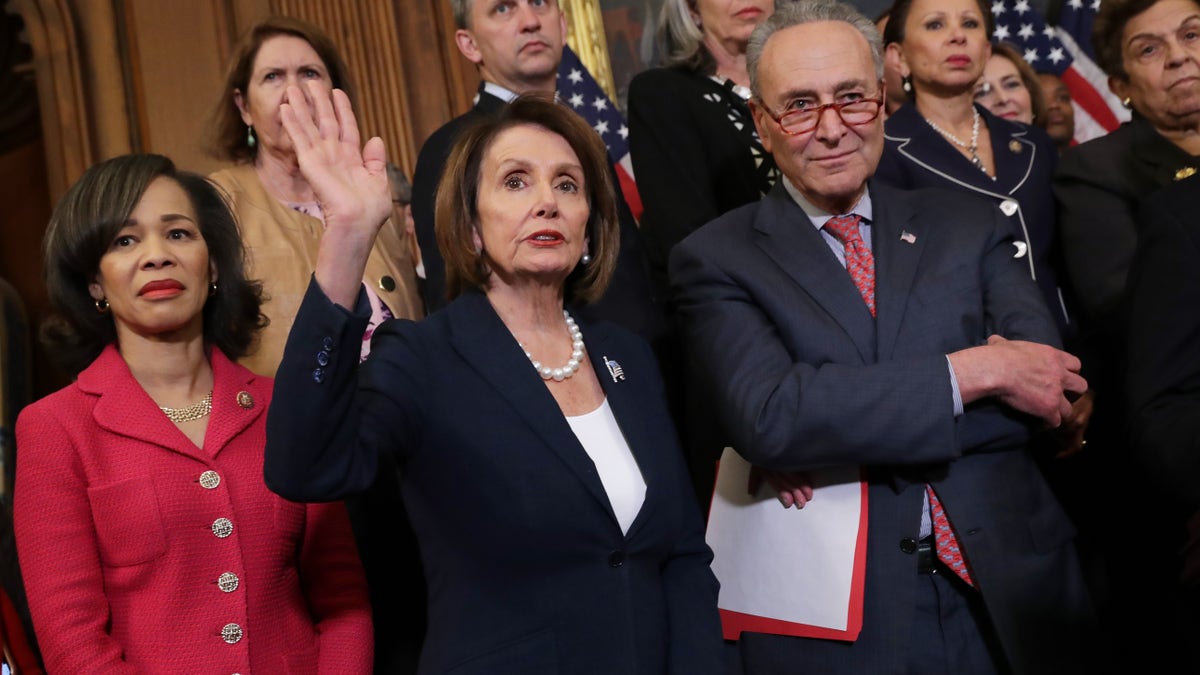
<point x="852" y="113"/>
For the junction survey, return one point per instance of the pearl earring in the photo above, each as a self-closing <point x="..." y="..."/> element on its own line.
<point x="250" y="140"/>
<point x="906" y="84"/>
<point x="587" y="257"/>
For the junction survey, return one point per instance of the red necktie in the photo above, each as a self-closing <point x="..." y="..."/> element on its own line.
<point x="859" y="261"/>
<point x="945" y="540"/>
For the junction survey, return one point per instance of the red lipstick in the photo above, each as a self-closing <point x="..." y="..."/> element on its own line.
<point x="163" y="288"/>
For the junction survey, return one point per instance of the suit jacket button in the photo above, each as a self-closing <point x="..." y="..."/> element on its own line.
<point x="228" y="582"/>
<point x="908" y="545"/>
<point x="327" y="343"/>
<point x="322" y="358"/>
<point x="222" y="527"/>
<point x="231" y="633"/>
<point x="318" y="375"/>
<point x="616" y="558"/>
<point x="210" y="479"/>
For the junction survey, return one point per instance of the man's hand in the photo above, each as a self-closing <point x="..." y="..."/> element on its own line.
<point x="792" y="488"/>
<point x="1030" y="377"/>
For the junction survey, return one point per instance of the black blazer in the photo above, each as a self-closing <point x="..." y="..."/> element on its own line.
<point x="917" y="156"/>
<point x="627" y="302"/>
<point x="1099" y="186"/>
<point x="527" y="567"/>
<point x="802" y="377"/>
<point x="692" y="163"/>
<point x="1164" y="333"/>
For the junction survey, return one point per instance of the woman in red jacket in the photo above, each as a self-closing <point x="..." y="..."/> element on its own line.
<point x="146" y="536"/>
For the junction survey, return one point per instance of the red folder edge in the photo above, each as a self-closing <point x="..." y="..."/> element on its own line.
<point x="734" y="623"/>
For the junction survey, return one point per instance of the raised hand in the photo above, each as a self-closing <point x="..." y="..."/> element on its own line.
<point x="349" y="180"/>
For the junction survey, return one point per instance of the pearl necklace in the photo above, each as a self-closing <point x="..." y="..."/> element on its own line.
<point x="192" y="412"/>
<point x="974" y="145"/>
<point x="572" y="365"/>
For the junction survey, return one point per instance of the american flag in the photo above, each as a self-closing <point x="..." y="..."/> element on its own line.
<point x="579" y="89"/>
<point x="1058" y="51"/>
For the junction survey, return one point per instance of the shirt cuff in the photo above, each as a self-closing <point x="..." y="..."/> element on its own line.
<point x="958" y="403"/>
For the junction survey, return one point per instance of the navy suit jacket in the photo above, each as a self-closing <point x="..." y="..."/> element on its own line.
<point x="527" y="567"/>
<point x="802" y="377"/>
<point x="917" y="156"/>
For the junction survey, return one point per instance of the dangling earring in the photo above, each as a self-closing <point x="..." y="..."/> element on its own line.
<point x="587" y="257"/>
<point x="906" y="84"/>
<point x="212" y="289"/>
<point x="250" y="140"/>
<point x="102" y="305"/>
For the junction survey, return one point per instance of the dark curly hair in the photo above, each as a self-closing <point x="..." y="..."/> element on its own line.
<point x="1108" y="28"/>
<point x="84" y="224"/>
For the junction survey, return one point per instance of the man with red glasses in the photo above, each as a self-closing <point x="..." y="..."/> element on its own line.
<point x="839" y="322"/>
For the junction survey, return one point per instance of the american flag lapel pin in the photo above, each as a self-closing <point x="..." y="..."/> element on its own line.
<point x="908" y="237"/>
<point x="614" y="369"/>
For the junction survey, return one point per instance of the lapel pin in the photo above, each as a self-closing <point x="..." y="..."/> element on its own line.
<point x="1015" y="146"/>
<point x="1008" y="207"/>
<point x="908" y="237"/>
<point x="614" y="369"/>
<point x="1022" y="248"/>
<point x="1185" y="172"/>
<point x="245" y="400"/>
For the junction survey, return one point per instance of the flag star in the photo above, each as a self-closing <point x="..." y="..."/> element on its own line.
<point x="1026" y="31"/>
<point x="1076" y="4"/>
<point x="601" y="127"/>
<point x="576" y="100"/>
<point x="1095" y="5"/>
<point x="623" y="132"/>
<point x="1056" y="55"/>
<point x="998" y="8"/>
<point x="1001" y="32"/>
<point x="1048" y="32"/>
<point x="1022" y="6"/>
<point x="575" y="76"/>
<point x="1031" y="56"/>
<point x="600" y="103"/>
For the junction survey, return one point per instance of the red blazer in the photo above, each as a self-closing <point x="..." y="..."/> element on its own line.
<point x="117" y="537"/>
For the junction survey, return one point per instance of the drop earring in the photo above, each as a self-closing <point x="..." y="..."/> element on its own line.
<point x="250" y="140"/>
<point x="587" y="257"/>
<point x="906" y="84"/>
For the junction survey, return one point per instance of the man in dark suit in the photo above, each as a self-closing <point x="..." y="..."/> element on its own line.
<point x="929" y="365"/>
<point x="517" y="51"/>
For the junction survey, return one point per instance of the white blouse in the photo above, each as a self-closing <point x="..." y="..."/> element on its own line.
<point x="600" y="436"/>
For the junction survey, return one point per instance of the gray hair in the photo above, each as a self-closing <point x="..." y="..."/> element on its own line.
<point x="788" y="14"/>
<point x="680" y="38"/>
<point x="462" y="12"/>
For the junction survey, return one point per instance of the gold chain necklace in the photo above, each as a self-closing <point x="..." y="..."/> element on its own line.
<point x="192" y="412"/>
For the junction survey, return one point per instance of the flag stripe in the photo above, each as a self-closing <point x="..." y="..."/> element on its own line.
<point x="1090" y="100"/>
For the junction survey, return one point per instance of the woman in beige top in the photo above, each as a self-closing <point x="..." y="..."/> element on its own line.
<point x="280" y="219"/>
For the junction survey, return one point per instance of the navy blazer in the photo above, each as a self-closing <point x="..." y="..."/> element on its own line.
<point x="917" y="156"/>
<point x="527" y="567"/>
<point x="802" y="377"/>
